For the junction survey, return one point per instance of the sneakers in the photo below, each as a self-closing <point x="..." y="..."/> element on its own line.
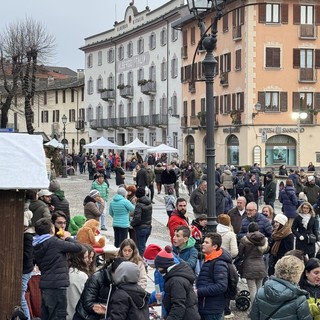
<point x="229" y="316"/>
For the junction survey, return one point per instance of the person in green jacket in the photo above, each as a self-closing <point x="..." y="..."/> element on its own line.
<point x="280" y="297"/>
<point x="100" y="185"/>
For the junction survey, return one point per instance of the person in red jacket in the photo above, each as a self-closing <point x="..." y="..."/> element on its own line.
<point x="178" y="217"/>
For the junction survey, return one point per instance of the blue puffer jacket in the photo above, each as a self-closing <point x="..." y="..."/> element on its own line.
<point x="289" y="200"/>
<point x="189" y="253"/>
<point x="119" y="210"/>
<point x="212" y="287"/>
<point x="265" y="226"/>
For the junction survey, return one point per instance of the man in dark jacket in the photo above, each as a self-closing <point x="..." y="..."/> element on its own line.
<point x="270" y="190"/>
<point x="51" y="256"/>
<point x="220" y="203"/>
<point x="254" y="185"/>
<point x="168" y="178"/>
<point x="198" y="199"/>
<point x="253" y="215"/>
<point x="58" y="199"/>
<point x="179" y="300"/>
<point x="237" y="214"/>
<point x="142" y="177"/>
<point x="142" y="219"/>
<point x="212" y="282"/>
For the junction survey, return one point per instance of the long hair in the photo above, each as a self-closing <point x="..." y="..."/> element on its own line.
<point x="92" y="266"/>
<point x="76" y="261"/>
<point x="135" y="258"/>
<point x="311" y="264"/>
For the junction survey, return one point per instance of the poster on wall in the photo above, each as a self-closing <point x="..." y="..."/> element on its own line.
<point x="279" y="154"/>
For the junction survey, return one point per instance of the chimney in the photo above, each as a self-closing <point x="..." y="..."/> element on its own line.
<point x="80" y="74"/>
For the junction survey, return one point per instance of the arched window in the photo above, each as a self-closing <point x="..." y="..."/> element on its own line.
<point x="281" y="149"/>
<point x="233" y="150"/>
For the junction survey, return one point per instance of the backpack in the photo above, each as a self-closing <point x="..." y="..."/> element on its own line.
<point x="233" y="279"/>
<point x="240" y="183"/>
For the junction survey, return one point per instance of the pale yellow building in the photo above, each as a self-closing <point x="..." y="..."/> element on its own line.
<point x="268" y="55"/>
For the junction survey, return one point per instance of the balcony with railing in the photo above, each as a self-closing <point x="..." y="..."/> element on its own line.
<point x="149" y="88"/>
<point x="108" y="95"/>
<point x="308" y="31"/>
<point x="184" y="122"/>
<point x="307" y="75"/>
<point x="236" y="33"/>
<point x="96" y="124"/>
<point x="126" y="92"/>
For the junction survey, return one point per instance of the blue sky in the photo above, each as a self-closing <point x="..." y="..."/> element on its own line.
<point x="70" y="21"/>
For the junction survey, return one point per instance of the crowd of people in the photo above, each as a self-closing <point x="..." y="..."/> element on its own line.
<point x="275" y="253"/>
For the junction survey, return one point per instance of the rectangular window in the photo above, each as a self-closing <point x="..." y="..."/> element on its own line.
<point x="193" y="108"/>
<point x="45" y="98"/>
<point x="238" y="59"/>
<point x="272" y="101"/>
<point x="72" y="95"/>
<point x="185" y="108"/>
<point x="193" y="35"/>
<point x="72" y="115"/>
<point x="55" y="115"/>
<point x="163" y="37"/>
<point x="272" y="13"/>
<point x="82" y="114"/>
<point x="64" y="96"/>
<point x="306" y="14"/>
<point x="152" y="41"/>
<point x="272" y="57"/>
<point x="99" y="58"/>
<point x="44" y="116"/>
<point x="57" y="96"/>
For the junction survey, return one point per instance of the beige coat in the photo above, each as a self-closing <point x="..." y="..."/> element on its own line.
<point x="229" y="239"/>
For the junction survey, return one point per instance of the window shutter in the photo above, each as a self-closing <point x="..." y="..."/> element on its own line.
<point x="317" y="101"/>
<point x="284" y="13"/>
<point x="276" y="57"/>
<point x="221" y="104"/>
<point x="221" y="63"/>
<point x="317" y="15"/>
<point x="234" y="18"/>
<point x="241" y="16"/>
<point x="225" y="23"/>
<point x="182" y="75"/>
<point x="268" y="57"/>
<point x="317" y="58"/>
<point x="296" y="14"/>
<point x="262" y="100"/>
<point x="283" y="101"/>
<point x="262" y="13"/>
<point x="296" y="58"/>
<point x="216" y="104"/>
<point x="228" y="102"/>
<point x="217" y="66"/>
<point x="228" y="56"/>
<point x="241" y="107"/>
<point x="296" y="101"/>
<point x="233" y="101"/>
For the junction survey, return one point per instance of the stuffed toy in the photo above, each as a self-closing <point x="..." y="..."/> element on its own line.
<point x="87" y="234"/>
<point x="76" y="223"/>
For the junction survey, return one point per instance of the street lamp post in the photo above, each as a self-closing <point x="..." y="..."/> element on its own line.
<point x="299" y="116"/>
<point x="64" y="166"/>
<point x="209" y="43"/>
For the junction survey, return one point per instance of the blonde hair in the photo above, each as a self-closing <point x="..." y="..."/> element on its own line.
<point x="289" y="268"/>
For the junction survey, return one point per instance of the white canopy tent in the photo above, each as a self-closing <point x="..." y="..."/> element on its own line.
<point x="102" y="143"/>
<point x="136" y="144"/>
<point x="163" y="148"/>
<point x="55" y="144"/>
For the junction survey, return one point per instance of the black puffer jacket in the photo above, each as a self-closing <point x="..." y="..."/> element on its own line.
<point x="51" y="257"/>
<point x="96" y="290"/>
<point x="59" y="202"/>
<point x="180" y="300"/>
<point x="142" y="216"/>
<point x="27" y="252"/>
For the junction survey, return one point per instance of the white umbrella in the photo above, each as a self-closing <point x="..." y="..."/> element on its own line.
<point x="102" y="143"/>
<point x="136" y="144"/>
<point x="163" y="148"/>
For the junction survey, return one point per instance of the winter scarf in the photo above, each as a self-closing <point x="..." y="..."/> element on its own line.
<point x="277" y="236"/>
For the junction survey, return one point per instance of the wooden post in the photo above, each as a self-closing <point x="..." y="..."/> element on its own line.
<point x="11" y="252"/>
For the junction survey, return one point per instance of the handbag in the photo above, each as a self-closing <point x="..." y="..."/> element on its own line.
<point x="311" y="238"/>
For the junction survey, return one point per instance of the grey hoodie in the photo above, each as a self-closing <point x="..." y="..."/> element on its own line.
<point x="127" y="272"/>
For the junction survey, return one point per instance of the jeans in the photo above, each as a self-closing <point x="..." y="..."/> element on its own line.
<point x="215" y="316"/>
<point x="120" y="234"/>
<point x="24" y="306"/>
<point x="103" y="215"/>
<point x="142" y="235"/>
<point x="54" y="304"/>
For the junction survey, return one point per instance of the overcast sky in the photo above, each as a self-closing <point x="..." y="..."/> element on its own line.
<point x="70" y="21"/>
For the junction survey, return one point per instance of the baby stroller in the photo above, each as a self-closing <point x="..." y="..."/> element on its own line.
<point x="243" y="300"/>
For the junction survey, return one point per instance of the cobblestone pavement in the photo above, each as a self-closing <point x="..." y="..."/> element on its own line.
<point x="77" y="187"/>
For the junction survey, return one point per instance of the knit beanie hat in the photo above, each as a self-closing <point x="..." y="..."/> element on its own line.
<point x="54" y="185"/>
<point x="164" y="258"/>
<point x="122" y="191"/>
<point x="94" y="193"/>
<point x="140" y="192"/>
<point x="311" y="178"/>
<point x="150" y="253"/>
<point x="281" y="218"/>
<point x="27" y="218"/>
<point x="224" y="219"/>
